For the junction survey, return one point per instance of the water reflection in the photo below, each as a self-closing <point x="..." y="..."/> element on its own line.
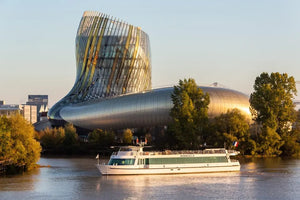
<point x="78" y="178"/>
<point x="25" y="181"/>
<point x="163" y="186"/>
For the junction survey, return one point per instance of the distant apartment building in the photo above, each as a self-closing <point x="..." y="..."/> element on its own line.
<point x="29" y="112"/>
<point x="41" y="103"/>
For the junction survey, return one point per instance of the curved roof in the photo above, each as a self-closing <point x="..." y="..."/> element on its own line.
<point x="146" y="109"/>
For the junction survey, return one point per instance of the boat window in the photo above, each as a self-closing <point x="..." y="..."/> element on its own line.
<point x="121" y="162"/>
<point x="186" y="160"/>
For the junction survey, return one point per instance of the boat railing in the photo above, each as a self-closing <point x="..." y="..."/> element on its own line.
<point x="168" y="152"/>
<point x="233" y="152"/>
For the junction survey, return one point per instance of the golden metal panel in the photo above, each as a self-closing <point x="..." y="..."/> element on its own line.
<point x="133" y="59"/>
<point x="91" y="50"/>
<point x="124" y="54"/>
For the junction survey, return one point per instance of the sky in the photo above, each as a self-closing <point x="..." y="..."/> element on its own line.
<point x="226" y="41"/>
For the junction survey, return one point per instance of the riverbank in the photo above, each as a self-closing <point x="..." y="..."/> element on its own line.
<point x="7" y="167"/>
<point x="83" y="149"/>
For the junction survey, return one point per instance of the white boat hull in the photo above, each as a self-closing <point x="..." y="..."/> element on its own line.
<point x="167" y="169"/>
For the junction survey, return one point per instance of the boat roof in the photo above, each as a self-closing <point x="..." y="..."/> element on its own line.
<point x="130" y="148"/>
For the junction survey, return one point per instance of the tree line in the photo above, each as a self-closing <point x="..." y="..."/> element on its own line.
<point x="275" y="129"/>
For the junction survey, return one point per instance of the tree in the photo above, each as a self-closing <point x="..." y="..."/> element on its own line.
<point x="273" y="109"/>
<point x="6" y="151"/>
<point x="229" y="127"/>
<point x="101" y="137"/>
<point x="127" y="136"/>
<point x="269" y="142"/>
<point x="189" y="114"/>
<point x="52" y="138"/>
<point x="71" y="137"/>
<point x="291" y="146"/>
<point x="18" y="145"/>
<point x="272" y="100"/>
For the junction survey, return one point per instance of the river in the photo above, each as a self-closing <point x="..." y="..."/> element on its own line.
<point x="78" y="178"/>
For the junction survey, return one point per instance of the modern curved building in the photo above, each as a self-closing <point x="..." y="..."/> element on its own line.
<point x="113" y="82"/>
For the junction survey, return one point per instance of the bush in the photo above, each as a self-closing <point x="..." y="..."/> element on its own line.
<point x="71" y="137"/>
<point x="101" y="138"/>
<point x="127" y="136"/>
<point x="17" y="143"/>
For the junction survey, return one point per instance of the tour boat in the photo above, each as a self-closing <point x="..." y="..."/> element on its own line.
<point x="133" y="160"/>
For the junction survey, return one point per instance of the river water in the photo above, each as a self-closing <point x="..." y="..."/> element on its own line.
<point x="78" y="178"/>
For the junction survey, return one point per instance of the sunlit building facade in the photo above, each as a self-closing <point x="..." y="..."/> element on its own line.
<point x="41" y="103"/>
<point x="113" y="81"/>
<point x="27" y="111"/>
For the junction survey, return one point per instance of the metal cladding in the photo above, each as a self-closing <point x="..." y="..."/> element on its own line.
<point x="113" y="82"/>
<point x="146" y="109"/>
<point x="112" y="57"/>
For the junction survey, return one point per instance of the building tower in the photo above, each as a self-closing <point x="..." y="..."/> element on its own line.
<point x="112" y="89"/>
<point x="113" y="58"/>
<point x="41" y="103"/>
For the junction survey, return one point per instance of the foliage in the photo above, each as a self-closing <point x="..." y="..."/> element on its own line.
<point x="291" y="145"/>
<point x="51" y="138"/>
<point x="71" y="137"/>
<point x="269" y="142"/>
<point x="189" y="114"/>
<point x="229" y="127"/>
<point x="272" y="108"/>
<point x="17" y="144"/>
<point x="271" y="102"/>
<point x="127" y="136"/>
<point x="101" y="137"/>
<point x="60" y="140"/>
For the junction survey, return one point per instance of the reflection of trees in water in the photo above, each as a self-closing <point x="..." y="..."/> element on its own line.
<point x="78" y="178"/>
<point x="20" y="182"/>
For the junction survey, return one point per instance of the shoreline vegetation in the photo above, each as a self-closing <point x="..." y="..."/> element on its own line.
<point x="274" y="131"/>
<point x="19" y="151"/>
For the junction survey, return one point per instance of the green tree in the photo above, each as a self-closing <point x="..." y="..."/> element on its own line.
<point x="269" y="142"/>
<point x="229" y="127"/>
<point x="189" y="114"/>
<point x="101" y="137"/>
<point x="272" y="100"/>
<point x="18" y="145"/>
<point x="6" y="148"/>
<point x="71" y="137"/>
<point x="273" y="109"/>
<point x="127" y="136"/>
<point x="291" y="146"/>
<point x="52" y="138"/>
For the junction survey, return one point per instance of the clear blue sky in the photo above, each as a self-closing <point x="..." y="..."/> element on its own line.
<point x="226" y="41"/>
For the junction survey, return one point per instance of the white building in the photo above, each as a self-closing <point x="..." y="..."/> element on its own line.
<point x="29" y="112"/>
